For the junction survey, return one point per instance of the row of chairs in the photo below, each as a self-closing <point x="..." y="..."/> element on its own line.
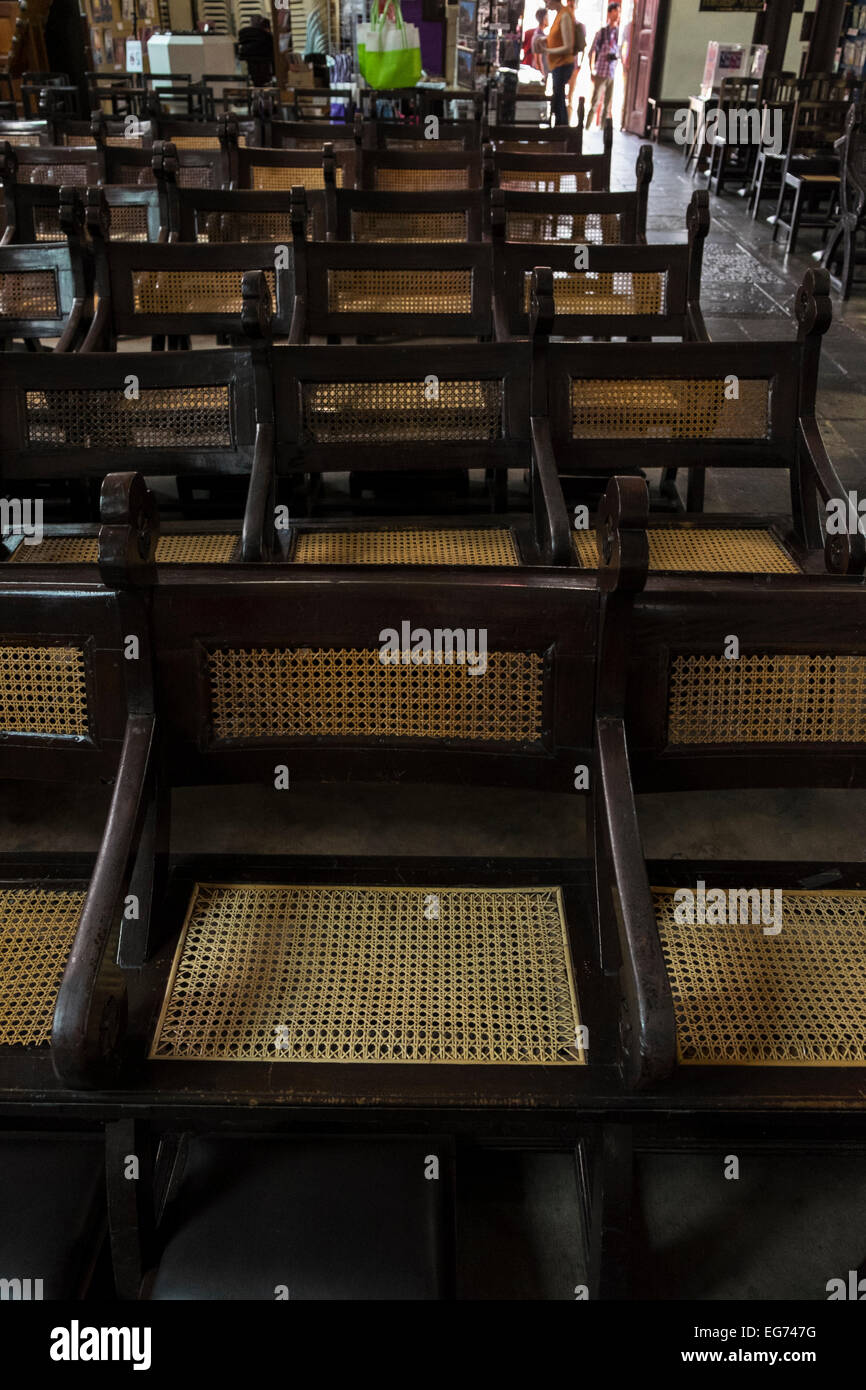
<point x="280" y="420"/>
<point x="581" y="999"/>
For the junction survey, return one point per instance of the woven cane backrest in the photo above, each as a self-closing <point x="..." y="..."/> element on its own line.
<point x="601" y="292"/>
<point x="594" y="229"/>
<point x="408" y="226"/>
<point x="30" y="294"/>
<point x="688" y="408"/>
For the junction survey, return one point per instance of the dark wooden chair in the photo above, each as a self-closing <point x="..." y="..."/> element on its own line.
<point x="599" y="218"/>
<point x="284" y="169"/>
<point x="632" y="291"/>
<point x="555" y="173"/>
<point x="424" y="170"/>
<point x="739" y="981"/>
<point x="441" y="216"/>
<point x="46" y="291"/>
<point x="172" y="291"/>
<point x="844" y="252"/>
<point x="410" y="137"/>
<point x="25" y="133"/>
<point x="200" y="417"/>
<point x="52" y="164"/>
<point x="307" y="135"/>
<point x="739" y="120"/>
<point x="371" y="289"/>
<point x="194" y="168"/>
<point x="231" y="214"/>
<point x="615" y="408"/>
<point x="810" y="174"/>
<point x="74" y="711"/>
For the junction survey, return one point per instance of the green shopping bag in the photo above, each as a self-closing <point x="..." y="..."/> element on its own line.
<point x="389" y="50"/>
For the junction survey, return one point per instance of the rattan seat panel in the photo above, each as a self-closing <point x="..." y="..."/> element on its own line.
<point x="408" y="226"/>
<point x="421" y="180"/>
<point x="391" y="412"/>
<point x="195" y="142"/>
<point x="181" y="416"/>
<point x="324" y="974"/>
<point x="320" y="692"/>
<point x="264" y="176"/>
<point x="794" y="998"/>
<point x="400" y="291"/>
<point x="411" y="146"/>
<point x="28" y="294"/>
<point x="703" y="550"/>
<point x="593" y="228"/>
<point x="520" y="181"/>
<point x="479" y="546"/>
<point x="190" y="291"/>
<point x="129" y="223"/>
<point x="43" y="691"/>
<point x="46" y="224"/>
<point x="246" y="226"/>
<point x="198" y="176"/>
<point x="689" y="408"/>
<point x="204" y="549"/>
<point x="71" y="175"/>
<point x="767" y="699"/>
<point x="140" y="175"/>
<point x="22" y="140"/>
<point x="37" y="928"/>
<point x="605" y="292"/>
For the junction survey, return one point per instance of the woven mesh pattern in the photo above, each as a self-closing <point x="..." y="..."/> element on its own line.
<point x="767" y="699"/>
<point x="706" y="550"/>
<point x="28" y="294"/>
<point x="316" y="144"/>
<point x="408" y="226"/>
<point x="605" y="292"/>
<point x="289" y="177"/>
<point x="469" y="547"/>
<point x="73" y="175"/>
<point x="310" y="974"/>
<point x="657" y="409"/>
<point x="420" y="180"/>
<point x="246" y="226"/>
<point x="400" y="291"/>
<point x="133" y="142"/>
<point x="195" y="142"/>
<point x="198" y="176"/>
<point x="331" y="693"/>
<point x="525" y="181"/>
<point x="129" y="223"/>
<point x="139" y="174"/>
<point x="37" y="928"/>
<point x="794" y="998"/>
<point x="190" y="291"/>
<point x="46" y="224"/>
<point x="186" y="417"/>
<point x="23" y="140"/>
<point x="42" y="691"/>
<point x="593" y="228"/>
<point x="388" y="412"/>
<point x="204" y="549"/>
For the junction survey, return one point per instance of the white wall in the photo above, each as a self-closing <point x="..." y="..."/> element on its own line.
<point x="689" y="32"/>
<point x="795" y="49"/>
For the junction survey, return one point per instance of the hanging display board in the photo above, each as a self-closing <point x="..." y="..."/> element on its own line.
<point x="111" y="23"/>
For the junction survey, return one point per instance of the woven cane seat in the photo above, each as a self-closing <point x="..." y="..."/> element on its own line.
<point x="524" y="181"/>
<point x="46" y="224"/>
<point x="593" y="228"/>
<point x="665" y="408"/>
<point x="481" y="546"/>
<point x="408" y="226"/>
<point x="702" y="550"/>
<point x="604" y="292"/>
<point x="453" y="146"/>
<point x="140" y="175"/>
<point x="421" y="180"/>
<point x="30" y="294"/>
<point x="37" y="928"/>
<point x="195" y="142"/>
<point x="767" y="699"/>
<point x="129" y="223"/>
<point x="43" y="691"/>
<point x="336" y="692"/>
<point x="383" y="974"/>
<point x="247" y="226"/>
<point x="400" y="291"/>
<point x="70" y="175"/>
<point x="796" y="997"/>
<point x="203" y="549"/>
<point x="391" y="412"/>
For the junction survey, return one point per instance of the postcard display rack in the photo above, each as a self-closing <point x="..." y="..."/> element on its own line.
<point x="111" y="23"/>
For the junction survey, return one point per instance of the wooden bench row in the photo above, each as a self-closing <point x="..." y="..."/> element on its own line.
<point x="572" y="415"/>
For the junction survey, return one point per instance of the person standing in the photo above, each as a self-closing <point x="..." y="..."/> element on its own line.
<point x="533" y="55"/>
<point x="560" y="58"/>
<point x="256" y="48"/>
<point x="579" y="50"/>
<point x="603" y="56"/>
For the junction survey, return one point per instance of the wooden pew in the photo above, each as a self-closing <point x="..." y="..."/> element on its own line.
<point x="619" y="408"/>
<point x="577" y="217"/>
<point x="555" y="173"/>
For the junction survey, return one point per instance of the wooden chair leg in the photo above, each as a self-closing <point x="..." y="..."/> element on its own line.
<point x="695" y="490"/>
<point x="130" y="1193"/>
<point x="610" y="1235"/>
